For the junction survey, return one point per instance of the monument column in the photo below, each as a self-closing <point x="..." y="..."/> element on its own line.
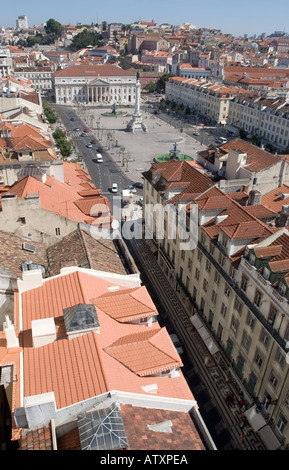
<point x="136" y="124"/>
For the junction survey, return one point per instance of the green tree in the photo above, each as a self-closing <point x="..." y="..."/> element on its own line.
<point x="84" y="39"/>
<point x="161" y="83"/>
<point x="151" y="87"/>
<point x="53" y="27"/>
<point x="65" y="148"/>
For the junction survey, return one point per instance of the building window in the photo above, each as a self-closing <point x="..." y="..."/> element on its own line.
<point x="234" y="324"/>
<point x="238" y="305"/>
<point x="246" y="341"/>
<point x="227" y="290"/>
<point x="250" y="320"/>
<point x="223" y="310"/>
<point x="197" y="274"/>
<point x="258" y="359"/>
<point x="281" y="423"/>
<point x="217" y="278"/>
<point x="272" y="314"/>
<point x="200" y="255"/>
<point x="57" y="231"/>
<point x="205" y="285"/>
<point x="257" y="298"/>
<point x="244" y="283"/>
<point x="252" y="382"/>
<point x="280" y="358"/>
<point x="208" y="266"/>
<point x="273" y="379"/>
<point x="214" y="297"/>
<point x="264" y="338"/>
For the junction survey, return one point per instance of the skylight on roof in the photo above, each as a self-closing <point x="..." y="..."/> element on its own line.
<point x="102" y="429"/>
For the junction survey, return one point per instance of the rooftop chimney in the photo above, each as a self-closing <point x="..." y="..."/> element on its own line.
<point x="12" y="340"/>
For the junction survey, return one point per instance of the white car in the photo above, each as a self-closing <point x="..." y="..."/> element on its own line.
<point x="177" y="343"/>
<point x="114" y="188"/>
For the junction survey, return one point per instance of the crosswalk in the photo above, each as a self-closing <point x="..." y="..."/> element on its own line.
<point x="78" y="134"/>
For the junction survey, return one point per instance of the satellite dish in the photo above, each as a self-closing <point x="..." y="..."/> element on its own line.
<point x="5" y="89"/>
<point x="13" y="89"/>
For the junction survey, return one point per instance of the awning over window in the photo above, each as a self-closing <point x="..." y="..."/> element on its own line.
<point x="204" y="334"/>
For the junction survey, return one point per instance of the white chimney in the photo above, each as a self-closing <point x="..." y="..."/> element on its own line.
<point x="43" y="332"/>
<point x="12" y="340"/>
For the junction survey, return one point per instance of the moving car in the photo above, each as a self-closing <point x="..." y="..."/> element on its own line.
<point x="132" y="189"/>
<point x="99" y="158"/>
<point x="114" y="188"/>
<point x="72" y="119"/>
<point x="76" y="129"/>
<point x="89" y="145"/>
<point x="86" y="130"/>
<point x="177" y="343"/>
<point x="222" y="140"/>
<point x="196" y="133"/>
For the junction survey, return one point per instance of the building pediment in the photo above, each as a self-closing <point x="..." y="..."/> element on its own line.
<point x="98" y="82"/>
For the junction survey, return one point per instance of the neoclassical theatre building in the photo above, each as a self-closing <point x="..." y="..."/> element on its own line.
<point x="102" y="84"/>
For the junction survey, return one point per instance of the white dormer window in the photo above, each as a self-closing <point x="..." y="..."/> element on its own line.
<point x="281" y="288"/>
<point x="266" y="273"/>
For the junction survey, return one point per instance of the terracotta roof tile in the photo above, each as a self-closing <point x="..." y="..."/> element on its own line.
<point x="257" y="159"/>
<point x="138" y="424"/>
<point x="139" y="353"/>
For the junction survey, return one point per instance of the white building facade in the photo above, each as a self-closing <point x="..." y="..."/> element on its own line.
<point x="103" y="84"/>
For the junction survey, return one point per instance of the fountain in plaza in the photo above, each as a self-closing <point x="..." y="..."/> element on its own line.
<point x="136" y="124"/>
<point x="174" y="154"/>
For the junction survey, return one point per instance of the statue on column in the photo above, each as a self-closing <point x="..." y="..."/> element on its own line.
<point x="136" y="124"/>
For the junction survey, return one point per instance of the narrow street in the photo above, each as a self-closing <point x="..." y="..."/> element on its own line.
<point x="207" y="381"/>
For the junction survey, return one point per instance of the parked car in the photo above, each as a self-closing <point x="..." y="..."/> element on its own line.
<point x="114" y="188"/>
<point x="138" y="185"/>
<point x="196" y="133"/>
<point x="177" y="343"/>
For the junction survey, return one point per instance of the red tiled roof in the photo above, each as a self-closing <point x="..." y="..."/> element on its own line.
<point x="93" y="71"/>
<point x="276" y="199"/>
<point x="79" y="368"/>
<point x="62" y="198"/>
<point x="141" y="353"/>
<point x="257" y="159"/>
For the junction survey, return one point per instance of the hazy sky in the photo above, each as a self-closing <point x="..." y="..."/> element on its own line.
<point x="231" y="16"/>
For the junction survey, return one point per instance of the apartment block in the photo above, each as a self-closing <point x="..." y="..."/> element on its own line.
<point x="264" y="117"/>
<point x="208" y="99"/>
<point x="233" y="282"/>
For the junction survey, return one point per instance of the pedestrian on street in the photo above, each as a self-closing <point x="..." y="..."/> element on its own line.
<point x="244" y="423"/>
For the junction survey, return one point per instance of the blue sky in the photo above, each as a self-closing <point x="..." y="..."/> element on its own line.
<point x="231" y="16"/>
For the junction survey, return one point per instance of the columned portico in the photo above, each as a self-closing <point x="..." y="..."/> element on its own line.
<point x="97" y="94"/>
